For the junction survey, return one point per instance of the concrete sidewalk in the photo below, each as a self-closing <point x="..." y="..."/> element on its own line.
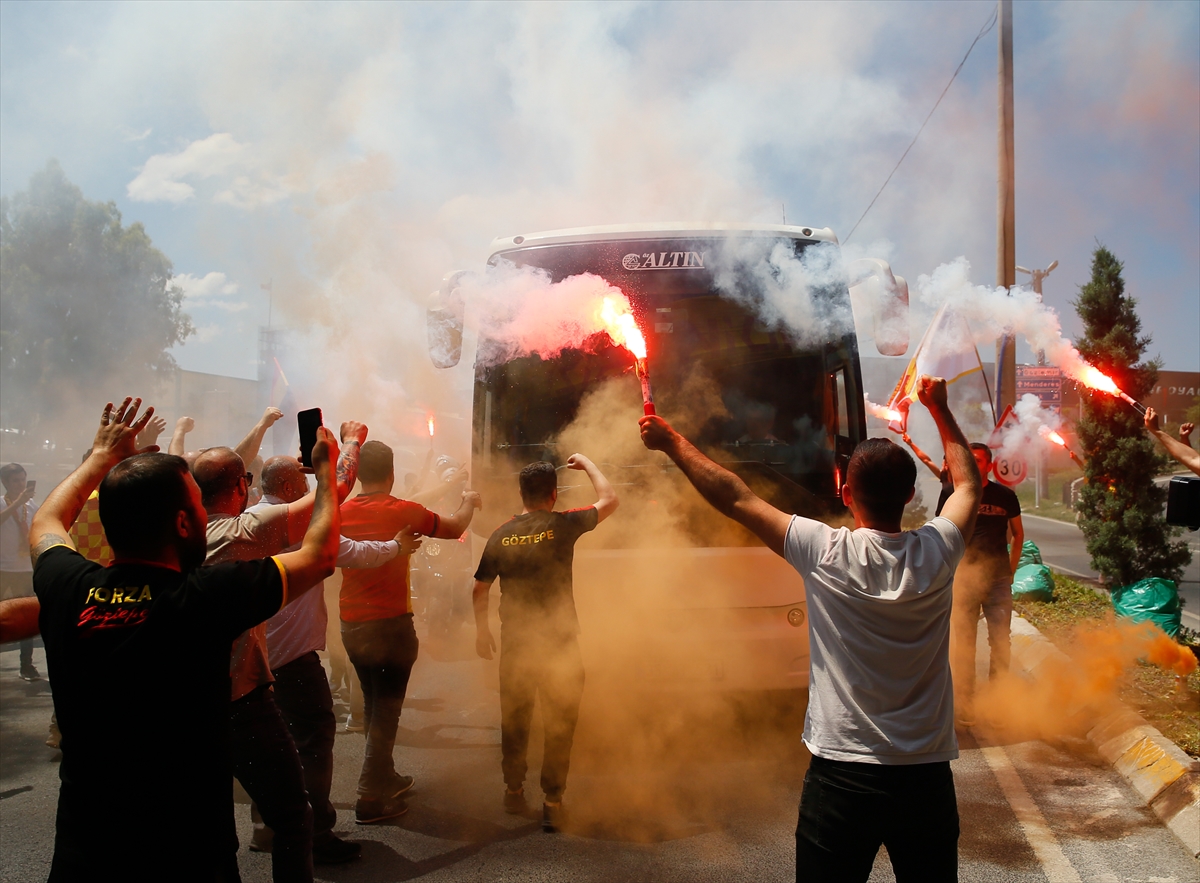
<point x="1157" y="769"/>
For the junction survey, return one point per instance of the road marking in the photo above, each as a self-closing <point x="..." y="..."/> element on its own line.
<point x="1033" y="824"/>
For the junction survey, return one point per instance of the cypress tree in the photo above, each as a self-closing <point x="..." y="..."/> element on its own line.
<point x="1121" y="509"/>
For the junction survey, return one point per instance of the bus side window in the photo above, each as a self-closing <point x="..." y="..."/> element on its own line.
<point x="843" y="410"/>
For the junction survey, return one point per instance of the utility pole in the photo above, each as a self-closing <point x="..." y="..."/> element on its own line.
<point x="1006" y="249"/>
<point x="1037" y="276"/>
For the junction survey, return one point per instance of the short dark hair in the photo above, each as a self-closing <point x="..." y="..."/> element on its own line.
<point x="218" y="476"/>
<point x="139" y="499"/>
<point x="538" y="482"/>
<point x="881" y="475"/>
<point x="375" y="462"/>
<point x="980" y="446"/>
<point x="276" y="472"/>
<point x="9" y="470"/>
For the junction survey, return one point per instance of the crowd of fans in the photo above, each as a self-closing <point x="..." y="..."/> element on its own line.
<point x="180" y="597"/>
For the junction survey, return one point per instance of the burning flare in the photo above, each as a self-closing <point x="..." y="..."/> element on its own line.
<point x="431" y="426"/>
<point x="622" y="328"/>
<point x="1052" y="436"/>
<point x="1093" y="378"/>
<point x="882" y="412"/>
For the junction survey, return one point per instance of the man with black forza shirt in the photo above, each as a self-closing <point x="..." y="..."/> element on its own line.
<point x="532" y="553"/>
<point x="983" y="582"/>
<point x="138" y="656"/>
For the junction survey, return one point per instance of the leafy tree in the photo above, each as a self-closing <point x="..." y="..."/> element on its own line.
<point x="88" y="307"/>
<point x="1121" y="509"/>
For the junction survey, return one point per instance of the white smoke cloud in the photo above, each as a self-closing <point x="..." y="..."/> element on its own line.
<point x="160" y="179"/>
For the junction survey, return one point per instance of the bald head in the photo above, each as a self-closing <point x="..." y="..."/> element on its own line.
<point x="282" y="478"/>
<point x="221" y="474"/>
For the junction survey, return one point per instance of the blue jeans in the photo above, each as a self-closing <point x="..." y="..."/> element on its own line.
<point x="847" y="810"/>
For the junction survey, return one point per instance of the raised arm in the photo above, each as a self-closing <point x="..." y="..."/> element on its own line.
<point x="1183" y="453"/>
<point x="178" y="445"/>
<point x="922" y="456"/>
<point x="724" y="491"/>
<point x="440" y="490"/>
<point x="299" y="512"/>
<point x="607" y="504"/>
<point x="7" y="512"/>
<point x="454" y="526"/>
<point x="115" y="440"/>
<point x="248" y="447"/>
<point x="315" y="559"/>
<point x="152" y="431"/>
<point x="962" y="506"/>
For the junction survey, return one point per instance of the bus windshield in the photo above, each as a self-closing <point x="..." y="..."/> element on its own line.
<point x="779" y="416"/>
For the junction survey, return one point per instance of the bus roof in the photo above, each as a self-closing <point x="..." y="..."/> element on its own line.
<point x="657" y="230"/>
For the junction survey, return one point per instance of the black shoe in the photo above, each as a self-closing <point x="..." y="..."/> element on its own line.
<point x="514" y="802"/>
<point x="29" y="673"/>
<point x="332" y="850"/>
<point x="553" y="817"/>
<point x="368" y="811"/>
<point x="401" y="785"/>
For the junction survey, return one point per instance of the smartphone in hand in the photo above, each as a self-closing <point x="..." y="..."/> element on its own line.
<point x="309" y="422"/>
<point x="31" y="486"/>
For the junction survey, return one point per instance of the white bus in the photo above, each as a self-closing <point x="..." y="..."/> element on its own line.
<point x="670" y="594"/>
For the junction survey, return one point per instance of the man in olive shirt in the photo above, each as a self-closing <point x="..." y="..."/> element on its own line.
<point x="983" y="582"/>
<point x="533" y="553"/>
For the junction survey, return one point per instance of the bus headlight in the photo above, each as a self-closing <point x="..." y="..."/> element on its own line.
<point x="796" y="617"/>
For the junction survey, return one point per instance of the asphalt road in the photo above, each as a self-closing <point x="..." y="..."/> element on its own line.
<point x="1063" y="548"/>
<point x="662" y="787"/>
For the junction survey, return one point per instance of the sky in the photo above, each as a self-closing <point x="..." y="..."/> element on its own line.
<point x="351" y="154"/>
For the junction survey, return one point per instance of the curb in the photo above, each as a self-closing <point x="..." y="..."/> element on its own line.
<point x="1154" y="766"/>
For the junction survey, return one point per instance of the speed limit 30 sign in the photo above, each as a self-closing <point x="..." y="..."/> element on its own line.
<point x="1010" y="471"/>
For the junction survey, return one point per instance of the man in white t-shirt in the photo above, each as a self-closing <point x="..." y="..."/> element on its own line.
<point x="880" y="721"/>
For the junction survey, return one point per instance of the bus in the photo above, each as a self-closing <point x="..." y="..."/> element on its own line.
<point x="668" y="592"/>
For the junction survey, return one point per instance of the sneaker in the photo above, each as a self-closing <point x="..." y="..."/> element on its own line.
<point x="553" y="817"/>
<point x="353" y="725"/>
<point x="514" y="802"/>
<point x="29" y="673"/>
<point x="370" y="810"/>
<point x="330" y="849"/>
<point x="401" y="785"/>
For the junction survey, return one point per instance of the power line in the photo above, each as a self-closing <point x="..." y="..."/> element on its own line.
<point x="991" y="23"/>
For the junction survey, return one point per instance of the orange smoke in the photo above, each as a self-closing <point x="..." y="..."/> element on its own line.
<point x="1168" y="655"/>
<point x="883" y="413"/>
<point x="622" y="327"/>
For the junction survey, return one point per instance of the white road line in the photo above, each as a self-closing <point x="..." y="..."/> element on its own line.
<point x="1033" y="824"/>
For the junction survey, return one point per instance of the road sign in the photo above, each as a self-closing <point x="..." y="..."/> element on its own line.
<point x="1007" y="419"/>
<point x="1045" y="383"/>
<point x="1010" y="471"/>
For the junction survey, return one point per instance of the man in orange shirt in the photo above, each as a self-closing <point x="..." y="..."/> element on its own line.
<point x="377" y="621"/>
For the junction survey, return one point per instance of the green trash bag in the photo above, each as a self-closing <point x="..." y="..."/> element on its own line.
<point x="1030" y="554"/>
<point x="1153" y="599"/>
<point x="1033" y="582"/>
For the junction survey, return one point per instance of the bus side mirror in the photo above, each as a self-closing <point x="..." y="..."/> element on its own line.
<point x="885" y="296"/>
<point x="444" y="322"/>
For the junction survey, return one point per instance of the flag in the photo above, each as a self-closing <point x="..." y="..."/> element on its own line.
<point x="947" y="350"/>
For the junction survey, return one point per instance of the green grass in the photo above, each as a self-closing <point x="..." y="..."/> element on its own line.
<point x="1051" y="505"/>
<point x="1174" y="708"/>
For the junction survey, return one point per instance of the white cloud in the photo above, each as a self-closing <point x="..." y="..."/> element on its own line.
<point x="207" y="333"/>
<point x="131" y="135"/>
<point x="160" y="179"/>
<point x="210" y="290"/>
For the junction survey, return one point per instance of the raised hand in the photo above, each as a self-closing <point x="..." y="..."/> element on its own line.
<point x="325" y="450"/>
<point x="152" y="431"/>
<point x="271" y="416"/>
<point x="932" y="392"/>
<point x="1185" y="433"/>
<point x="1151" y="420"/>
<point x="353" y="431"/>
<point x="185" y="424"/>
<point x="119" y="428"/>
<point x="577" y="461"/>
<point x="657" y="434"/>
<point x="473" y="498"/>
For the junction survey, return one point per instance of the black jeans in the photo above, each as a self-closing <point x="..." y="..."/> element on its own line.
<point x="552" y="669"/>
<point x="383" y="652"/>
<point x="848" y="809"/>
<point x="266" y="763"/>
<point x="303" y="697"/>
